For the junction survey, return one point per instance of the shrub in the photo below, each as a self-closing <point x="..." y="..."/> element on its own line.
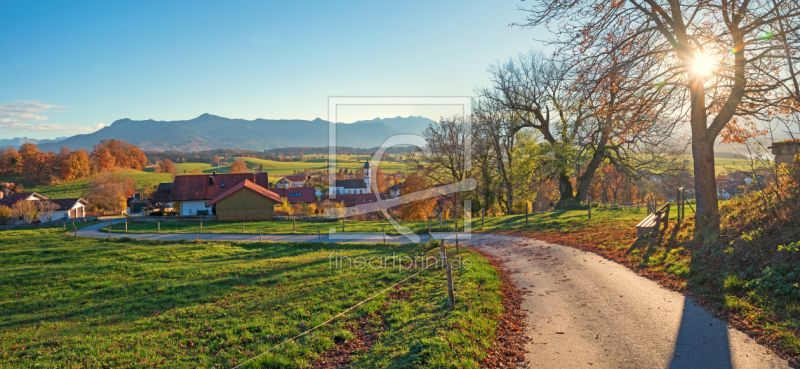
<point x="734" y="284"/>
<point x="780" y="282"/>
<point x="6" y="215"/>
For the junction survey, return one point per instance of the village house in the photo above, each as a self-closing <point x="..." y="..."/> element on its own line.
<point x="394" y="191"/>
<point x="245" y="200"/>
<point x="352" y="186"/>
<point x="291" y="181"/>
<point x="222" y="194"/>
<point x="69" y="208"/>
<point x="786" y="151"/>
<point x="192" y="193"/>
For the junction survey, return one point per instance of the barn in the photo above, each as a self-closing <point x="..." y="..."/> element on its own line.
<point x="245" y="201"/>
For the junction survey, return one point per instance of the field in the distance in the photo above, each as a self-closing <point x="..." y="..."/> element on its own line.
<point x="83" y="302"/>
<point x="313" y="162"/>
<point x="77" y="187"/>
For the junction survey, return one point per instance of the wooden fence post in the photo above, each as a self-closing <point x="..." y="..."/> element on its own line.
<point x="319" y="235"/>
<point x="384" y="234"/>
<point x="589" y="200"/>
<point x="109" y="229"/>
<point x="65" y="229"/>
<point x="343" y="219"/>
<point x="201" y="226"/>
<point x="526" y="213"/>
<point x="126" y="224"/>
<point x="483" y="214"/>
<point x="159" y="226"/>
<point x="75" y="230"/>
<point x="440" y="219"/>
<point x="450" y="298"/>
<point x="294" y="226"/>
<point x="443" y="254"/>
<point x="456" y="236"/>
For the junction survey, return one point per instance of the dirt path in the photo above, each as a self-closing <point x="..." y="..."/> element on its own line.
<point x="587" y="312"/>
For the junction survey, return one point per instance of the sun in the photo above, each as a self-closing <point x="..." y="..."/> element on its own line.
<point x="704" y="65"/>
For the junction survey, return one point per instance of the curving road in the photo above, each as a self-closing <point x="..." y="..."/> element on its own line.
<point x="584" y="311"/>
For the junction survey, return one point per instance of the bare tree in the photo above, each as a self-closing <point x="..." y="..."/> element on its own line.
<point x="25" y="209"/>
<point x="535" y="90"/>
<point x="46" y="209"/>
<point x="726" y="59"/>
<point x="447" y="141"/>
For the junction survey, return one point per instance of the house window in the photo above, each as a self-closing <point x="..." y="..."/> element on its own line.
<point x="222" y="185"/>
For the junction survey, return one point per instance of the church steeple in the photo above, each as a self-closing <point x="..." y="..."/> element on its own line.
<point x="367" y="177"/>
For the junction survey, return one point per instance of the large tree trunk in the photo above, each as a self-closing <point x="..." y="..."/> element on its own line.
<point x="585" y="180"/>
<point x="705" y="183"/>
<point x="567" y="199"/>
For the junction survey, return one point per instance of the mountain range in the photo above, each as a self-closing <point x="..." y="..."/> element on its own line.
<point x="209" y="131"/>
<point x="17" y="141"/>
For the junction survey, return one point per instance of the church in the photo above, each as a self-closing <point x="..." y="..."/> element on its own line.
<point x="352" y="186"/>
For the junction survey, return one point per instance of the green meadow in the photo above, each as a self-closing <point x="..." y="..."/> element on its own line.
<point x="82" y="302"/>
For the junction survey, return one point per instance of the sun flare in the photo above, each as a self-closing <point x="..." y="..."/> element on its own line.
<point x="704" y="65"/>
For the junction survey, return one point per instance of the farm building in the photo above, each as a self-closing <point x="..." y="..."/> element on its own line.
<point x="292" y="181"/>
<point x="786" y="151"/>
<point x="192" y="193"/>
<point x="70" y="208"/>
<point x="195" y="194"/>
<point x="245" y="201"/>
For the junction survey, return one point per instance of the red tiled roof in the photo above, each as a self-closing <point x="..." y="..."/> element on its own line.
<point x="199" y="187"/>
<point x="246" y="184"/>
<point x="296" y="178"/>
<point x="13" y="198"/>
<point x="307" y="194"/>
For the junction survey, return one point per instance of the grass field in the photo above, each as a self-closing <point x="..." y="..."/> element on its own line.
<point x="77" y="187"/>
<point x="81" y="302"/>
<point x="284" y="168"/>
<point x="549" y="220"/>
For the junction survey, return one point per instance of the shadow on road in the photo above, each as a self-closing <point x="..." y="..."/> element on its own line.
<point x="700" y="344"/>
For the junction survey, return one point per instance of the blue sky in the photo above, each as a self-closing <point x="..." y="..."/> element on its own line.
<point x="71" y="67"/>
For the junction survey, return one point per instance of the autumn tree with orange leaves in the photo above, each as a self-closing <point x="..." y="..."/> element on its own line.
<point x="417" y="210"/>
<point x="239" y="166"/>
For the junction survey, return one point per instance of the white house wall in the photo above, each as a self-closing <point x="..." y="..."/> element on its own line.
<point x="191" y="207"/>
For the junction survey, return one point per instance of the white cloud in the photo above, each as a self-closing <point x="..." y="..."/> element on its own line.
<point x="24" y="111"/>
<point x="18" y="115"/>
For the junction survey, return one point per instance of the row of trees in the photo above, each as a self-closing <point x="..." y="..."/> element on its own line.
<point x="624" y="77"/>
<point x="45" y="167"/>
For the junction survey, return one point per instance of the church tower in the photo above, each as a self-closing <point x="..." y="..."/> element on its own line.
<point x="367" y="177"/>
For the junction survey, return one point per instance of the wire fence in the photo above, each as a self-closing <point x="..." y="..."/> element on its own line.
<point x="333" y="317"/>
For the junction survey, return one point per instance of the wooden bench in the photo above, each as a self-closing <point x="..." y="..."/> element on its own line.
<point x="653" y="221"/>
